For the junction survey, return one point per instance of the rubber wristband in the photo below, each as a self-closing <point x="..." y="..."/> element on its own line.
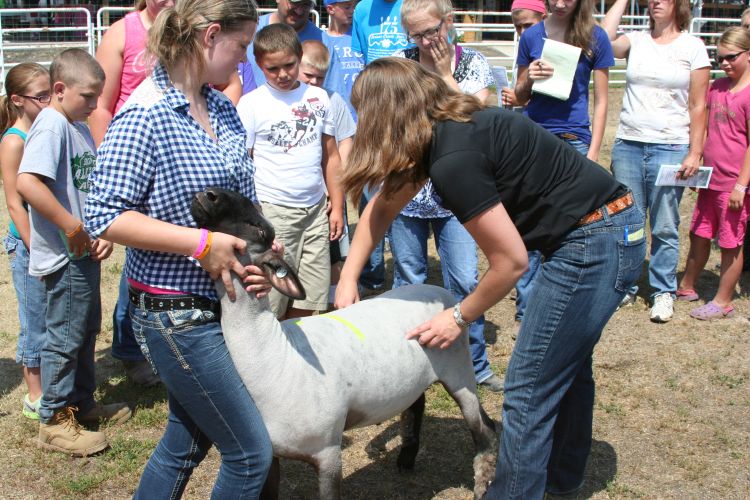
<point x="740" y="188"/>
<point x="75" y="231"/>
<point x="206" y="248"/>
<point x="201" y="244"/>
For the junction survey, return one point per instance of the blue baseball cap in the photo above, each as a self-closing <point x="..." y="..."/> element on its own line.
<point x="331" y="2"/>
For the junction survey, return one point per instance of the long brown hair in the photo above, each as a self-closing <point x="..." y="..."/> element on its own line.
<point x="682" y="15"/>
<point x="580" y="32"/>
<point x="17" y="82"/>
<point x="173" y="38"/>
<point x="397" y="102"/>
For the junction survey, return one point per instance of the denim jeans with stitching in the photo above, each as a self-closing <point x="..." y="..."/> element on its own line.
<point x="549" y="386"/>
<point x="208" y="405"/>
<point x="636" y="164"/>
<point x="73" y="320"/>
<point x="32" y="305"/>
<point x="458" y="264"/>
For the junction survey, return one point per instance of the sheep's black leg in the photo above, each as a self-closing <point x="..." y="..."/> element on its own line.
<point x="410" y="427"/>
<point x="271" y="487"/>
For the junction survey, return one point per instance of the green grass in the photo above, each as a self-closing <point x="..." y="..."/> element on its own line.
<point x="125" y="457"/>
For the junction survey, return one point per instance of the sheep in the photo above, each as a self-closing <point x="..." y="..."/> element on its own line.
<point x="314" y="378"/>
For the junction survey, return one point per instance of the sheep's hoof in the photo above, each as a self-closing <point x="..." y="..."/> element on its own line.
<point x="406" y="458"/>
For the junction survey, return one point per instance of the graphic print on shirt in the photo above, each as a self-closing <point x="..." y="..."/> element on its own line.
<point x="720" y="112"/>
<point x="389" y="39"/>
<point x="300" y="130"/>
<point x="81" y="167"/>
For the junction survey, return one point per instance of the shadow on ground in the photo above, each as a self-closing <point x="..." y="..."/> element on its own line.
<point x="444" y="463"/>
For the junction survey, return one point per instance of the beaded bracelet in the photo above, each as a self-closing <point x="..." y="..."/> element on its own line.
<point x="204" y="245"/>
<point x="740" y="188"/>
<point x="75" y="231"/>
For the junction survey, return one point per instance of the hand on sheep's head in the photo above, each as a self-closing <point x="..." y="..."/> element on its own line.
<point x="224" y="211"/>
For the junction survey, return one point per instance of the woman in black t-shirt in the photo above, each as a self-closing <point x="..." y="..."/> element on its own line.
<point x="515" y="187"/>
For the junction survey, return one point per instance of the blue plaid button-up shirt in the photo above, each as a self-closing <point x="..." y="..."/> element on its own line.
<point x="154" y="158"/>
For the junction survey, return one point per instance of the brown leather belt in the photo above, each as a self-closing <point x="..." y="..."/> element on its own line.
<point x="613" y="207"/>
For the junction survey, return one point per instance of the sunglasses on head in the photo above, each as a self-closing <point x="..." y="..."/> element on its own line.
<point x="729" y="57"/>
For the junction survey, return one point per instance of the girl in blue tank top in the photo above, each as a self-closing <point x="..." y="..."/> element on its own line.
<point x="27" y="88"/>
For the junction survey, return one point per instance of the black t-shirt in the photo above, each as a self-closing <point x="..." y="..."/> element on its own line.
<point x="500" y="156"/>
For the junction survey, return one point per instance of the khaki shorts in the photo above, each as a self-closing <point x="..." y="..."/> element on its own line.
<point x="304" y="233"/>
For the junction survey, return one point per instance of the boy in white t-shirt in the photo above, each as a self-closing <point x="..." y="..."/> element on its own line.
<point x="289" y="133"/>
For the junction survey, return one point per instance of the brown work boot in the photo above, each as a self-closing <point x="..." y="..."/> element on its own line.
<point x="115" y="413"/>
<point x="64" y="434"/>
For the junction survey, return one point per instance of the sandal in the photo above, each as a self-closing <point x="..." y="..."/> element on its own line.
<point x="687" y="295"/>
<point x="711" y="311"/>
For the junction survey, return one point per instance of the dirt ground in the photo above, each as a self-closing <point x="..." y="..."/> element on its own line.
<point x="671" y="415"/>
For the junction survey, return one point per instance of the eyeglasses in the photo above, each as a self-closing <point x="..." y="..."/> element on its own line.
<point x="429" y="34"/>
<point x="44" y="99"/>
<point x="729" y="57"/>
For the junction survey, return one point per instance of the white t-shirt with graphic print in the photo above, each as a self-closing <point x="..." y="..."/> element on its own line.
<point x="285" y="131"/>
<point x="655" y="104"/>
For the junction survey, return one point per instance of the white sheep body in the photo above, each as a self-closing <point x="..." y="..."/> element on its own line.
<point x="313" y="378"/>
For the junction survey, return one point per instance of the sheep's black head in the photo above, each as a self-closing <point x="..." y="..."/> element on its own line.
<point x="229" y="212"/>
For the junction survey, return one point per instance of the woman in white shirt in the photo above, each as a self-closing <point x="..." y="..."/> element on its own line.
<point x="662" y="123"/>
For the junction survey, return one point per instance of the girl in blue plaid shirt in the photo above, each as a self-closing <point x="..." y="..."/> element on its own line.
<point x="174" y="137"/>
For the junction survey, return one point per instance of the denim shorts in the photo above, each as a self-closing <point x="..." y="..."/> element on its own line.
<point x="32" y="299"/>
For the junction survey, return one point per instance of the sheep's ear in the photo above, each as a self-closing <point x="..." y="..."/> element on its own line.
<point x="282" y="276"/>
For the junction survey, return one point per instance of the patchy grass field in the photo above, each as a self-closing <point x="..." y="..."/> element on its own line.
<point x="671" y="416"/>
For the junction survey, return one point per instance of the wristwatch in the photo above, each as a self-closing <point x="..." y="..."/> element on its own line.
<point x="459" y="317"/>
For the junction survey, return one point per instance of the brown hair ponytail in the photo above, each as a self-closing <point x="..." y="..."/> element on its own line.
<point x="173" y="38"/>
<point x="17" y="82"/>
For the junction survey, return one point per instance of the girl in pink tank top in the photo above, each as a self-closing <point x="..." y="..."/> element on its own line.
<point x="122" y="55"/>
<point x="135" y="66"/>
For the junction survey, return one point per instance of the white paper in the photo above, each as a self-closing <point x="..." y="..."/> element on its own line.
<point x="501" y="77"/>
<point x="564" y="59"/>
<point x="668" y="177"/>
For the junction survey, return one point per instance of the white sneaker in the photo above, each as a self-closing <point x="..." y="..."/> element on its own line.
<point x="663" y="308"/>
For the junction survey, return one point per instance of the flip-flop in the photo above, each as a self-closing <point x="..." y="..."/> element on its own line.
<point x="687" y="295"/>
<point x="711" y="311"/>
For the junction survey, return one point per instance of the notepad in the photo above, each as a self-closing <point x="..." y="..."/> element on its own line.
<point x="667" y="176"/>
<point x="564" y="59"/>
<point x="501" y="77"/>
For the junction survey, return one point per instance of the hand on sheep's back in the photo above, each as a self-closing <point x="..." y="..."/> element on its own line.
<point x="441" y="331"/>
<point x="346" y="293"/>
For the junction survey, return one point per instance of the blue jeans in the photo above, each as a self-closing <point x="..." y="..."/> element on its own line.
<point x="32" y="305"/>
<point x="636" y="164"/>
<point x="458" y="263"/>
<point x="526" y="283"/>
<point x="208" y="404"/>
<point x="73" y="319"/>
<point x="579" y="145"/>
<point x="549" y="387"/>
<point x="124" y="345"/>
<point x="373" y="273"/>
